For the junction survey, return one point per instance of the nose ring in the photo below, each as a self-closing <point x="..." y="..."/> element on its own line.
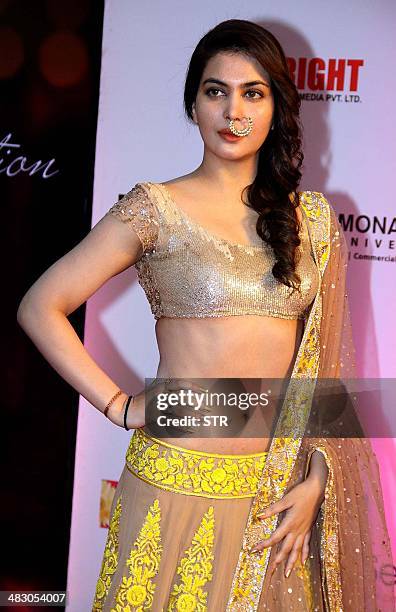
<point x="245" y="131"/>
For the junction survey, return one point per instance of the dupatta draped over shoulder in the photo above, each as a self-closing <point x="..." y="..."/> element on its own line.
<point x="350" y="555"/>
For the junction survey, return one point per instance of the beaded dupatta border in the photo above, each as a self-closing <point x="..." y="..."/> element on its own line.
<point x="251" y="568"/>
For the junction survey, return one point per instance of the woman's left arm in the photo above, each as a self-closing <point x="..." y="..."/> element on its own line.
<point x="302" y="503"/>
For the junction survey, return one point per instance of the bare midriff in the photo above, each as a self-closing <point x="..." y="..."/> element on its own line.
<point x="234" y="347"/>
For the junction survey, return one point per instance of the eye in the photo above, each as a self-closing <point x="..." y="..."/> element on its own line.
<point x="258" y="95"/>
<point x="212" y="89"/>
<point x="255" y="92"/>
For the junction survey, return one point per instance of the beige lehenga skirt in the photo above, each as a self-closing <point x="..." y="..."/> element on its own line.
<point x="176" y="526"/>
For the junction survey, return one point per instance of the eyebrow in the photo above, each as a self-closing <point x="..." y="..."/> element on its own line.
<point x="248" y="84"/>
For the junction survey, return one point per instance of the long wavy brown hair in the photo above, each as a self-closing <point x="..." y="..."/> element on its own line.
<point x="273" y="194"/>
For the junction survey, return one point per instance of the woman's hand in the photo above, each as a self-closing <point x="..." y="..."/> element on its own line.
<point x="137" y="407"/>
<point x="135" y="415"/>
<point x="302" y="504"/>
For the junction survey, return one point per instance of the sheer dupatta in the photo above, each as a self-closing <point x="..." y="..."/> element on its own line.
<point x="350" y="532"/>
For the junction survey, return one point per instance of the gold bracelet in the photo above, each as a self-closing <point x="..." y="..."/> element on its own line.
<point x="111" y="401"/>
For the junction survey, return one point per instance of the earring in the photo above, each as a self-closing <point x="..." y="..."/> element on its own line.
<point x="244" y="132"/>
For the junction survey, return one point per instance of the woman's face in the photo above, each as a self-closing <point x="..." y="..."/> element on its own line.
<point x="224" y="94"/>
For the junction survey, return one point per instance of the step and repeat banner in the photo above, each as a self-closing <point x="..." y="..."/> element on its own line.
<point x="339" y="56"/>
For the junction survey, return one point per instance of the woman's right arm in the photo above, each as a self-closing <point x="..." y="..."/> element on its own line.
<point x="108" y="249"/>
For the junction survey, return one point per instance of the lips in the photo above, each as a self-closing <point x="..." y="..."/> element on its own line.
<point x="228" y="136"/>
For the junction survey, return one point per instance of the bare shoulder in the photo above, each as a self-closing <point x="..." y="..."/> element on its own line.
<point x="195" y="191"/>
<point x="183" y="180"/>
<point x="186" y="184"/>
<point x="191" y="194"/>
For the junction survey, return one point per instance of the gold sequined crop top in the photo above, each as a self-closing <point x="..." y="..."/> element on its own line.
<point x="187" y="271"/>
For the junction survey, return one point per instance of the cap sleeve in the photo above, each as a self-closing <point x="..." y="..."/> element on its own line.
<point x="137" y="210"/>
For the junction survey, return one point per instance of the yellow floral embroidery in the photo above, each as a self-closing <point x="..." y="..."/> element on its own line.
<point x="137" y="590"/>
<point x="110" y="559"/>
<point x="191" y="472"/>
<point x="195" y="570"/>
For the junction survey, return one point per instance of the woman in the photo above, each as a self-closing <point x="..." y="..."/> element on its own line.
<point x="240" y="289"/>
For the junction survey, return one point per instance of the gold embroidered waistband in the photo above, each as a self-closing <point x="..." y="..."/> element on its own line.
<point x="192" y="472"/>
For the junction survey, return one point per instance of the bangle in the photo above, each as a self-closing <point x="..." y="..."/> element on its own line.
<point x="126" y="410"/>
<point x="111" y="401"/>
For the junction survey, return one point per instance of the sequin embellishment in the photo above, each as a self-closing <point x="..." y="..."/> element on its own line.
<point x="187" y="271"/>
<point x="329" y="549"/>
<point x="137" y="209"/>
<point x="251" y="568"/>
